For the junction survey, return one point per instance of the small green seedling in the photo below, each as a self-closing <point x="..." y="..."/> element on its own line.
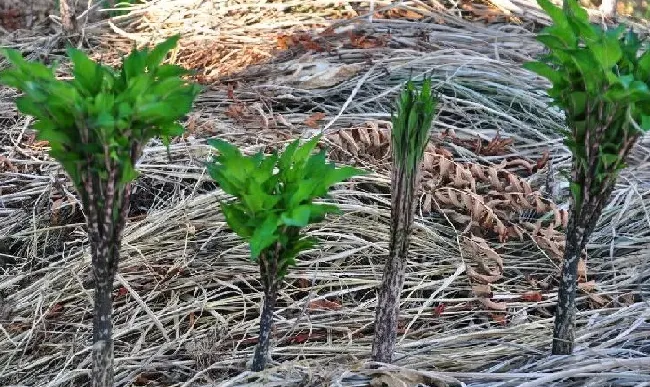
<point x="601" y="80"/>
<point x="96" y="125"/>
<point x="273" y="200"/>
<point x="409" y="138"/>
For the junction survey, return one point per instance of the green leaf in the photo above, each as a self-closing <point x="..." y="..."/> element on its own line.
<point x="609" y="159"/>
<point x="168" y="71"/>
<point x="134" y="64"/>
<point x="545" y="71"/>
<point x="578" y="103"/>
<point x="591" y="73"/>
<point x="302" y="153"/>
<point x="643" y="66"/>
<point x="173" y="129"/>
<point x="264" y="235"/>
<point x="556" y="13"/>
<point x="607" y="52"/>
<point x="576" y="191"/>
<point x="579" y="13"/>
<point x="645" y="123"/>
<point x="227" y="150"/>
<point x="159" y="52"/>
<point x="237" y="220"/>
<point x="340" y="174"/>
<point x="156" y="112"/>
<point x="298" y="217"/>
<point x="556" y="39"/>
<point x="86" y="72"/>
<point x="318" y="211"/>
<point x="129" y="173"/>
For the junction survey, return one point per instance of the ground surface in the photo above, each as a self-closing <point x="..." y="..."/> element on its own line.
<point x="478" y="301"/>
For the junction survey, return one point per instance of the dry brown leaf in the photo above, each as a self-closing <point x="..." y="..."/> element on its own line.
<point x="303" y="283"/>
<point x="500" y="318"/>
<point x="366" y="41"/>
<point x="399" y="13"/>
<point x="587" y="287"/>
<point x="323" y="305"/>
<point x="312" y="121"/>
<point x="236" y="111"/>
<point x="548" y="245"/>
<point x="483" y="278"/>
<point x="285" y="41"/>
<point x="582" y="270"/>
<point x="531" y="297"/>
<point x="599" y="300"/>
<point x="515" y="184"/>
<point x="493" y="305"/>
<point x="542" y="161"/>
<point x="482" y="290"/>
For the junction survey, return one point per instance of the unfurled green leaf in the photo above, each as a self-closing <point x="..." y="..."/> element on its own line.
<point x="302" y="153"/>
<point x="607" y="52"/>
<point x="134" y="65"/>
<point x="609" y="159"/>
<point x="237" y="220"/>
<point x="645" y="123"/>
<point x="338" y="175"/>
<point x="159" y="52"/>
<point x="556" y="13"/>
<point x="578" y="102"/>
<point x="86" y="72"/>
<point x="264" y="235"/>
<point x="298" y="216"/>
<point x="643" y="66"/>
<point x="129" y="173"/>
<point x="576" y="191"/>
<point x="275" y="193"/>
<point x="545" y="71"/>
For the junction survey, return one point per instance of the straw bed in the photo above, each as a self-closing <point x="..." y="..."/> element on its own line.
<point x="187" y="298"/>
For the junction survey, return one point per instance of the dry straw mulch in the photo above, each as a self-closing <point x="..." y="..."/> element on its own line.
<point x="478" y="301"/>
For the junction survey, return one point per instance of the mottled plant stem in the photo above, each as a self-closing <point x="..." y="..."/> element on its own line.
<point x="105" y="234"/>
<point x="581" y="225"/>
<point x="102" y="375"/>
<point x="268" y="271"/>
<point x="563" y="330"/>
<point x="388" y="303"/>
<point x="68" y="17"/>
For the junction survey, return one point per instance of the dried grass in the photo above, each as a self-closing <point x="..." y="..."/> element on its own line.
<point x="187" y="298"/>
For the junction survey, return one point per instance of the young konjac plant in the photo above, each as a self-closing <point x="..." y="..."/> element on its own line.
<point x="273" y="200"/>
<point x="96" y="125"/>
<point x="601" y="80"/>
<point x="409" y="137"/>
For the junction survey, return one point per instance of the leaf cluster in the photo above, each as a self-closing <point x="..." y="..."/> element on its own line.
<point x="601" y="79"/>
<point x="412" y="124"/>
<point x="273" y="196"/>
<point x="100" y="119"/>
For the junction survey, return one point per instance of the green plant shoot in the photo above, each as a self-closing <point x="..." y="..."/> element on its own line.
<point x="96" y="125"/>
<point x="601" y="81"/>
<point x="412" y="125"/>
<point x="409" y="138"/>
<point x="273" y="200"/>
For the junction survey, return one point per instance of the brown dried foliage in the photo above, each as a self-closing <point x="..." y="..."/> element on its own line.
<point x="482" y="201"/>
